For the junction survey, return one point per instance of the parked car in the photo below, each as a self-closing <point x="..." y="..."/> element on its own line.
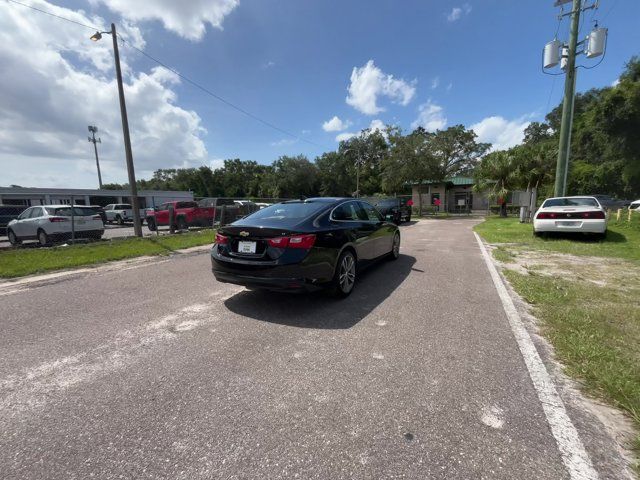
<point x="608" y="202"/>
<point x="121" y="213"/>
<point x="262" y="205"/>
<point x="635" y="205"/>
<point x="571" y="214"/>
<point x="231" y="208"/>
<point x="395" y="208"/>
<point x="303" y="245"/>
<point x="52" y="223"/>
<point x="185" y="214"/>
<point x="8" y="213"/>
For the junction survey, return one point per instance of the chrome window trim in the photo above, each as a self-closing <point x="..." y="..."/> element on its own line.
<point x="339" y="205"/>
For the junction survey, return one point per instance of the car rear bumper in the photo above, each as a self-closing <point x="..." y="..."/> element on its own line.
<point x="300" y="277"/>
<point x="577" y="226"/>
<point x="269" y="283"/>
<point x="77" y="234"/>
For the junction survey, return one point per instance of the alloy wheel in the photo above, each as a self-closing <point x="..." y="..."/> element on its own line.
<point x="347" y="275"/>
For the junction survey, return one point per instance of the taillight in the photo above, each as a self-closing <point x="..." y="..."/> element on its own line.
<point x="302" y="241"/>
<point x="58" y="219"/>
<point x="279" y="242"/>
<point x="295" y="241"/>
<point x="545" y="216"/>
<point x="595" y="215"/>
<point x="221" y="239"/>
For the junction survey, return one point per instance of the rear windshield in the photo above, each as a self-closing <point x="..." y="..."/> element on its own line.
<point x="570" y="202"/>
<point x="287" y="212"/>
<point x="66" y="211"/>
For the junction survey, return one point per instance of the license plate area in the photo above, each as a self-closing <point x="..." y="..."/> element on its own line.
<point x="568" y="224"/>
<point x="246" y="247"/>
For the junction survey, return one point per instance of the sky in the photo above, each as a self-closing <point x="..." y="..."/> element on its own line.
<point x="309" y="73"/>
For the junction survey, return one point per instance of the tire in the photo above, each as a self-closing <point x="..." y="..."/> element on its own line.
<point x="13" y="239"/>
<point x="151" y="224"/>
<point x="43" y="238"/>
<point x="344" y="278"/>
<point x="538" y="234"/>
<point x="119" y="220"/>
<point x="602" y="236"/>
<point x="181" y="224"/>
<point x="394" y="254"/>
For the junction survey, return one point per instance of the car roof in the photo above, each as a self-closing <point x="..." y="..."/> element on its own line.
<point x="321" y="200"/>
<point x="574" y="196"/>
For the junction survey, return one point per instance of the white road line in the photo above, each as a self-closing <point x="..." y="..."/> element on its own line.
<point x="574" y="456"/>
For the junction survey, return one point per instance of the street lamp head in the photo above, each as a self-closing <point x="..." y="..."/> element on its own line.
<point x="96" y="36"/>
<point x="93" y="128"/>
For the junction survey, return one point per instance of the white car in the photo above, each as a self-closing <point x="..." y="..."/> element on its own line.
<point x="50" y="223"/>
<point x="121" y="213"/>
<point x="635" y="205"/>
<point x="571" y="214"/>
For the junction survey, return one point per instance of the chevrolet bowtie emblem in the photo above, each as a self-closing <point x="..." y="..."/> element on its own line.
<point x="244" y="234"/>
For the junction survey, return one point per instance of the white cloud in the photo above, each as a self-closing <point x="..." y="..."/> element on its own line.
<point x="500" y="132"/>
<point x="341" y="137"/>
<point x="377" y="125"/>
<point x="216" y="163"/>
<point x="188" y="19"/>
<point x="431" y="117"/>
<point x="335" y="125"/>
<point x="435" y="83"/>
<point x="457" y="12"/>
<point x="449" y="87"/>
<point x="284" y="142"/>
<point x="615" y="83"/>
<point x="54" y="86"/>
<point x="369" y="82"/>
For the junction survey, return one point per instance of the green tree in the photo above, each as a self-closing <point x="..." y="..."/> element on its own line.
<point x="497" y="174"/>
<point x="366" y="152"/>
<point x="295" y="177"/>
<point x="456" y="151"/>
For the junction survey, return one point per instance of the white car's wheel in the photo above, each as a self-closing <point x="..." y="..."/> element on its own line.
<point x="43" y="238"/>
<point x="13" y="239"/>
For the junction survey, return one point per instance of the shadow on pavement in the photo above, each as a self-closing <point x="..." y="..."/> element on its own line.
<point x="318" y="309"/>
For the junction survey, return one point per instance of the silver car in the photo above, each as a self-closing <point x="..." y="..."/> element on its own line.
<point x="51" y="223"/>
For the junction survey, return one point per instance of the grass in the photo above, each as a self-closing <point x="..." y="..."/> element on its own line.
<point x="589" y="311"/>
<point x="25" y="261"/>
<point x="623" y="238"/>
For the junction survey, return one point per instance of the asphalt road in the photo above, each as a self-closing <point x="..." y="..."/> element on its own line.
<point x="155" y="370"/>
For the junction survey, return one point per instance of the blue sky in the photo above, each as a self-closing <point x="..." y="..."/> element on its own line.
<point x="290" y="62"/>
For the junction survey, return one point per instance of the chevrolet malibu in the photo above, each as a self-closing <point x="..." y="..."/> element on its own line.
<point x="571" y="214"/>
<point x="304" y="245"/>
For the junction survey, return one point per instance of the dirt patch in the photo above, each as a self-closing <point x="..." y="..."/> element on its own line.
<point x="600" y="271"/>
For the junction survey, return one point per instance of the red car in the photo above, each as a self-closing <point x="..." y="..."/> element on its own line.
<point x="185" y="215"/>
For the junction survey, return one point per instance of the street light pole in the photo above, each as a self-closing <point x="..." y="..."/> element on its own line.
<point x="93" y="129"/>
<point x="137" y="227"/>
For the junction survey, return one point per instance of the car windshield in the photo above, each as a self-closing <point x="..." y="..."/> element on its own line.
<point x="570" y="202"/>
<point x="287" y="212"/>
<point x="66" y="211"/>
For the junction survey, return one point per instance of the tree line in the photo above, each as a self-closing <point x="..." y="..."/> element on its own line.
<point x="605" y="158"/>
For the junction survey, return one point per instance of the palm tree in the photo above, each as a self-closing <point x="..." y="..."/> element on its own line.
<point x="497" y="173"/>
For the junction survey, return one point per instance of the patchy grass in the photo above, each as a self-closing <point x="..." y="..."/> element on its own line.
<point x="623" y="238"/>
<point x="586" y="294"/>
<point x="25" y="261"/>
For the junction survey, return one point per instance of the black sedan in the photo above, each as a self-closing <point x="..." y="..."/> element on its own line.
<point x="303" y="245"/>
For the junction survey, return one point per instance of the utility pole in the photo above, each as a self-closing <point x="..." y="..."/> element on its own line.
<point x="137" y="227"/>
<point x="593" y="45"/>
<point x="564" y="148"/>
<point x="93" y="129"/>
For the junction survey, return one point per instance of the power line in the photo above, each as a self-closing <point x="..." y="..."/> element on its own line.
<point x="183" y="77"/>
<point x="219" y="98"/>
<point x="53" y="15"/>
